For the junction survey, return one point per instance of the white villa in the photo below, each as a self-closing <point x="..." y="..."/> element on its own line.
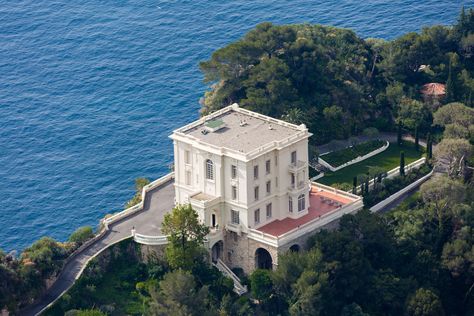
<point x="246" y="175"/>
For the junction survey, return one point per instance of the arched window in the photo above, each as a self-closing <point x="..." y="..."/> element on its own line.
<point x="209" y="169"/>
<point x="301" y="202"/>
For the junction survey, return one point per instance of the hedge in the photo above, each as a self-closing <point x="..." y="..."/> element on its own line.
<point x="340" y="157"/>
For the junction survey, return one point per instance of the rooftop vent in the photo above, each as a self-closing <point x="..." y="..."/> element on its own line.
<point x="243" y="123"/>
<point x="214" y="125"/>
<point x="270" y="127"/>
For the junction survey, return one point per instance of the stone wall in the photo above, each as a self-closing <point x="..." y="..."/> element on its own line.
<point x="148" y="253"/>
<point x="239" y="251"/>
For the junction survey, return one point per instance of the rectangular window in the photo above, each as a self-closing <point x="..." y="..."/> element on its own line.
<point x="293" y="157"/>
<point x="256" y="191"/>
<point x="234" y="192"/>
<point x="256" y="216"/>
<point x="268" y="166"/>
<point x="269" y="210"/>
<point x="187" y="157"/>
<point x="276" y="182"/>
<point x="290" y="204"/>
<point x="255" y="172"/>
<point x="293" y="179"/>
<point x="269" y="187"/>
<point x="276" y="160"/>
<point x="209" y="169"/>
<point x="234" y="217"/>
<point x="233" y="171"/>
<point x="301" y="203"/>
<point x="188" y="177"/>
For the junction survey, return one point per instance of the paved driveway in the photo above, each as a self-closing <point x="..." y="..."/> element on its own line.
<point x="148" y="221"/>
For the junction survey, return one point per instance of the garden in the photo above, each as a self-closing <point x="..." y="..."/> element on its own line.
<point x="386" y="160"/>
<point x="391" y="186"/>
<point x="340" y="157"/>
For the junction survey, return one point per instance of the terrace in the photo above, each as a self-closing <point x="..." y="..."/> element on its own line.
<point x="326" y="205"/>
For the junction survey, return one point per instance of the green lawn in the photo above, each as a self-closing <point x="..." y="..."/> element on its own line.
<point x="388" y="159"/>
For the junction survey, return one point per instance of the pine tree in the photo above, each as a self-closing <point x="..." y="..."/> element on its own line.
<point x="402" y="163"/>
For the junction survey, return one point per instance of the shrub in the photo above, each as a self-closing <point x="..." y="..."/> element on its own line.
<point x="81" y="235"/>
<point x="393" y="185"/>
<point x="137" y="198"/>
<point x="371" y="132"/>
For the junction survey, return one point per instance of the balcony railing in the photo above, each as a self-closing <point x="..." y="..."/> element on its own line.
<point x="297" y="166"/>
<point x="298" y="186"/>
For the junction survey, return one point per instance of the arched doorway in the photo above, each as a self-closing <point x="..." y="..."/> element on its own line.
<point x="295" y="248"/>
<point x="263" y="259"/>
<point x="216" y="251"/>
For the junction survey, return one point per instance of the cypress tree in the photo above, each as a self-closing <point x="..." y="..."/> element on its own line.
<point x="417" y="139"/>
<point x="429" y="146"/>
<point x="402" y="163"/>
<point x="399" y="133"/>
<point x="450" y="83"/>
<point x="367" y="179"/>
<point x="354" y="185"/>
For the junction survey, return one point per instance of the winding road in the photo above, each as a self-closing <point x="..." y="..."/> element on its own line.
<point x="157" y="202"/>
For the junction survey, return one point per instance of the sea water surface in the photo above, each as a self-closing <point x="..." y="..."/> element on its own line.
<point x="90" y="91"/>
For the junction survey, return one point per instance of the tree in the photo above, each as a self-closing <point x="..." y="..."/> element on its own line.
<point x="261" y="284"/>
<point x="353" y="310"/>
<point x="442" y="193"/>
<point x="178" y="294"/>
<point x="429" y="147"/>
<point x="354" y="185"/>
<point x="454" y="113"/>
<point x="413" y="113"/>
<point x="399" y="133"/>
<point x="81" y="235"/>
<point x="402" y="163"/>
<point x="85" y="312"/>
<point x="458" y="255"/>
<point x="454" y="130"/>
<point x="450" y="85"/>
<point x="185" y="235"/>
<point x="294" y="116"/>
<point x="417" y="139"/>
<point x="424" y="303"/>
<point x="453" y="153"/>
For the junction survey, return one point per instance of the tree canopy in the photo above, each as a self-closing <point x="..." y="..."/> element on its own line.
<point x="338" y="83"/>
<point x="185" y="235"/>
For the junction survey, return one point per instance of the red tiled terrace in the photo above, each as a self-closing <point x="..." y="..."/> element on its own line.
<point x="319" y="205"/>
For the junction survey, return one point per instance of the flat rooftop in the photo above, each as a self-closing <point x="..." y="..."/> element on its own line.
<point x="241" y="130"/>
<point x="321" y="203"/>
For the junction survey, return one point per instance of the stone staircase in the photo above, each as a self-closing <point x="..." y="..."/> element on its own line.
<point x="238" y="287"/>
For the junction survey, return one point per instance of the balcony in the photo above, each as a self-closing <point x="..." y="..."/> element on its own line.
<point x="236" y="228"/>
<point x="297" y="166"/>
<point x="299" y="186"/>
<point x="215" y="234"/>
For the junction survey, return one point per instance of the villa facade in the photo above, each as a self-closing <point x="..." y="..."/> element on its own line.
<point x="246" y="175"/>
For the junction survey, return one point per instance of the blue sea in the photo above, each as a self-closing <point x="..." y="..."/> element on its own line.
<point x="90" y="91"/>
